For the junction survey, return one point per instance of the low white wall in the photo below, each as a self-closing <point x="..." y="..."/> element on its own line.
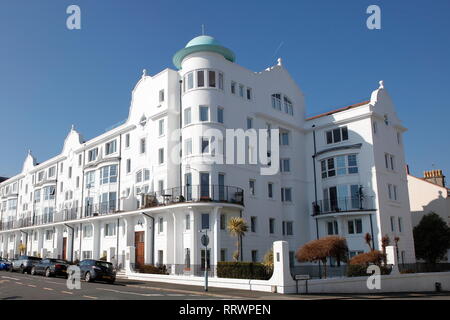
<point x="414" y="282"/>
<point x="244" y="284"/>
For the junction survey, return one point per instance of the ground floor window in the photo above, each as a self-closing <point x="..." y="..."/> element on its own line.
<point x="187" y="258"/>
<point x="223" y="255"/>
<point x="87" y="255"/>
<point x="160" y="257"/>
<point x="254" y="255"/>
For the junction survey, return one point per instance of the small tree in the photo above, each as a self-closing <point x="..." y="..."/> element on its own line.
<point x="368" y="239"/>
<point x="268" y="260"/>
<point x="431" y="238"/>
<point x="372" y="257"/>
<point x="321" y="249"/>
<point x="237" y="227"/>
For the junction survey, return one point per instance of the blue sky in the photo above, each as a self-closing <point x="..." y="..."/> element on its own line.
<point x="51" y="77"/>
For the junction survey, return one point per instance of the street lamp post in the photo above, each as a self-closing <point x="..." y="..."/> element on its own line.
<point x="205" y="242"/>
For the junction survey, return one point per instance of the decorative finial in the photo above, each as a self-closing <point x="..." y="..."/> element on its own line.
<point x="144" y="73"/>
<point x="279" y="61"/>
<point x="203" y="29"/>
<point x="381" y="84"/>
<point x="72" y="128"/>
<point x="29" y="152"/>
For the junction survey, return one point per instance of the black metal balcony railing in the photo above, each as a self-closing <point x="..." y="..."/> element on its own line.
<point x="197" y="193"/>
<point x="346" y="204"/>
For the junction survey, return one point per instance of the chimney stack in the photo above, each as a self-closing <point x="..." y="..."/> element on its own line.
<point x="435" y="176"/>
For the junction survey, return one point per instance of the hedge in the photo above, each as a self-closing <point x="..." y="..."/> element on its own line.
<point x="243" y="270"/>
<point x="360" y="270"/>
<point x="148" y="268"/>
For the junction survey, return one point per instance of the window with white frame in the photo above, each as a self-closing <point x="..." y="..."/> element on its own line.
<point x="392" y="192"/>
<point x="188" y="146"/>
<point x="392" y="224"/>
<point x="253" y="221"/>
<point x="51" y="172"/>
<point x="89" y="177"/>
<point x="127" y="140"/>
<point x="160" y="225"/>
<point x="203" y="113"/>
<point x="241" y="90"/>
<point x="389" y="161"/>
<point x="400" y="224"/>
<point x="161" y="95"/>
<point x="161" y="127"/>
<point x="285" y="165"/>
<point x="48" y="235"/>
<point x="286" y="194"/>
<point x="332" y="228"/>
<point x="205" y="145"/>
<point x="336" y="135"/>
<point x="249" y="94"/>
<point x="284" y="137"/>
<point x="233" y="87"/>
<point x="142" y="145"/>
<point x="220" y="114"/>
<point x="87" y="231"/>
<point x="251" y="186"/>
<point x="108" y="174"/>
<point x="161" y="155"/>
<point x="49" y="192"/>
<point x="354" y="226"/>
<point x="270" y="190"/>
<point x="339" y="165"/>
<point x="92" y="154"/>
<point x="110" y="229"/>
<point x="111" y="147"/>
<point x="187" y="116"/>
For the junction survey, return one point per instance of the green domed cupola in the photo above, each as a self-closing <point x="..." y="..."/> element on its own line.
<point x="202" y="43"/>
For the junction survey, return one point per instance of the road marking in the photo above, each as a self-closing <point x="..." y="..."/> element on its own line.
<point x="10" y="278"/>
<point x="49" y="289"/>
<point x="133" y="293"/>
<point x="19" y="282"/>
<point x="32" y="285"/>
<point x="89" y="297"/>
<point x="66" y="292"/>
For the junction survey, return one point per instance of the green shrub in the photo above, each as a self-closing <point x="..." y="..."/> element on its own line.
<point x="243" y="270"/>
<point x="360" y="270"/>
<point x="148" y="268"/>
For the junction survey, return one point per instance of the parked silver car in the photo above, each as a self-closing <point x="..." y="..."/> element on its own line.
<point x="24" y="264"/>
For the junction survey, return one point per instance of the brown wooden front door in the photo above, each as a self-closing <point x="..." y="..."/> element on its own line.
<point x="139" y="248"/>
<point x="64" y="248"/>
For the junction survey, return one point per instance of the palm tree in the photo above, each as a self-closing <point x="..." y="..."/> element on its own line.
<point x="237" y="227"/>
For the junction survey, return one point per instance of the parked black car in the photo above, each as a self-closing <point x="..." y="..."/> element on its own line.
<point x="92" y="270"/>
<point x="24" y="264"/>
<point x="51" y="267"/>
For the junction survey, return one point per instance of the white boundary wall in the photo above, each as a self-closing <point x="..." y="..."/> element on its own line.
<point x="282" y="281"/>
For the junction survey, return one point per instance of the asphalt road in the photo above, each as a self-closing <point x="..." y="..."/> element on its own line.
<point x="16" y="286"/>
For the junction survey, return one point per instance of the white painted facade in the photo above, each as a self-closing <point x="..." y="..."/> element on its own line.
<point x="92" y="218"/>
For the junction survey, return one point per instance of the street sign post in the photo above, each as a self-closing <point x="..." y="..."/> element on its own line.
<point x="205" y="241"/>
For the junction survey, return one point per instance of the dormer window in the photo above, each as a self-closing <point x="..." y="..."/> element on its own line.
<point x="337" y="135"/>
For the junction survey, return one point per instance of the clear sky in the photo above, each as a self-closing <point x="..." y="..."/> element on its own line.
<point x="52" y="77"/>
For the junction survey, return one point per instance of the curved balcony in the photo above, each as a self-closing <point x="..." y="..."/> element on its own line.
<point x="345" y="204"/>
<point x="195" y="193"/>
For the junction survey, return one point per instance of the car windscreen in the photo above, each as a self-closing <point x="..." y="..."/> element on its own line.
<point x="103" y="264"/>
<point x="34" y="258"/>
<point x="58" y="261"/>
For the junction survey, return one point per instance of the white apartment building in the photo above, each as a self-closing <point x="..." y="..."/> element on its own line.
<point x="340" y="173"/>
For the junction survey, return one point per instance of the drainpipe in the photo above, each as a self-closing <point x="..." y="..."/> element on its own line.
<point x="72" y="241"/>
<point x="315" y="188"/>
<point x="81" y="235"/>
<point x="153" y="236"/>
<point x="117" y="243"/>
<point x="118" y="172"/>
<point x="371" y="231"/>
<point x="181" y="136"/>
<point x="240" y="241"/>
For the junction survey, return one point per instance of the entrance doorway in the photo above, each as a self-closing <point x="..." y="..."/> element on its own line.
<point x="139" y="248"/>
<point x="64" y="248"/>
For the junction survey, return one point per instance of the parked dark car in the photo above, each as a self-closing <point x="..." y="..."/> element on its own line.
<point x="93" y="270"/>
<point x="51" y="267"/>
<point x="5" y="264"/>
<point x="24" y="264"/>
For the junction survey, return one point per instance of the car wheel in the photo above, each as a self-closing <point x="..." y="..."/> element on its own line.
<point x="22" y="269"/>
<point x="11" y="269"/>
<point x="88" y="277"/>
<point x="111" y="281"/>
<point x="48" y="273"/>
<point x="33" y="271"/>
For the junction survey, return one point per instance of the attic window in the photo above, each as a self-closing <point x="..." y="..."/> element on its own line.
<point x="386" y="119"/>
